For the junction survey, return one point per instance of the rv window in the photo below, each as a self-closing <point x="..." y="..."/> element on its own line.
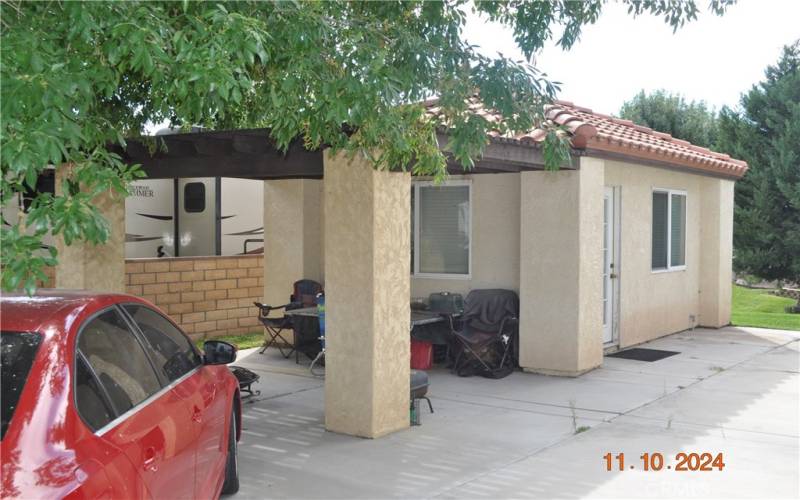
<point x="194" y="197"/>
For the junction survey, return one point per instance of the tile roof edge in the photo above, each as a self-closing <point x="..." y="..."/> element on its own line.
<point x="712" y="166"/>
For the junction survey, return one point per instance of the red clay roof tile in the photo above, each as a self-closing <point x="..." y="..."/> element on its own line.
<point x="598" y="132"/>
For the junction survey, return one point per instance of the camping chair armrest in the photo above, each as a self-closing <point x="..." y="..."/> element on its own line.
<point x="454" y="321"/>
<point x="264" y="309"/>
<point x="508" y="320"/>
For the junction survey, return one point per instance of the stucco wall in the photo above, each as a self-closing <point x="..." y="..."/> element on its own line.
<point x="561" y="250"/>
<point x="83" y="265"/>
<point x="653" y="304"/>
<point x="293" y="232"/>
<point x="367" y="288"/>
<point x="495" y="238"/>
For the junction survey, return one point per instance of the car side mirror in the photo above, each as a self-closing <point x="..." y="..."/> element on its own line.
<point x="217" y="352"/>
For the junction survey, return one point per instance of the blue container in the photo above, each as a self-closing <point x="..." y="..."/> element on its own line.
<point x="321" y="311"/>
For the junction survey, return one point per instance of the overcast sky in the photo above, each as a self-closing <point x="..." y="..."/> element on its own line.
<point x="713" y="59"/>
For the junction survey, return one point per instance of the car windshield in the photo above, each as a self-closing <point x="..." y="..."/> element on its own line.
<point x="17" y="351"/>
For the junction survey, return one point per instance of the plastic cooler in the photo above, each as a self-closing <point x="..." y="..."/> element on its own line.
<point x="421" y="355"/>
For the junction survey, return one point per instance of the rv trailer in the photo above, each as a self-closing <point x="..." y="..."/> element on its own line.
<point x="194" y="217"/>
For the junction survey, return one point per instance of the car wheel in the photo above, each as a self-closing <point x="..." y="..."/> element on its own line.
<point x="231" y="484"/>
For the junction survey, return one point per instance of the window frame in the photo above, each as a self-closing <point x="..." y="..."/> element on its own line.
<point x="118" y="417"/>
<point x="144" y="342"/>
<point x="186" y="197"/>
<point x="415" y="185"/>
<point x="670" y="192"/>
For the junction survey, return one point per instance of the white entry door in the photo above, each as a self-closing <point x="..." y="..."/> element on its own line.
<point x="609" y="265"/>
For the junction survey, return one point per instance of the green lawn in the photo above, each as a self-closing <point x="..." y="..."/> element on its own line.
<point x="762" y="309"/>
<point x="244" y="341"/>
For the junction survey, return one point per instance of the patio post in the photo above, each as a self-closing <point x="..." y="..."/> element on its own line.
<point x="367" y="290"/>
<point x="292" y="236"/>
<point x="716" y="251"/>
<point x="94" y="267"/>
<point x="561" y="239"/>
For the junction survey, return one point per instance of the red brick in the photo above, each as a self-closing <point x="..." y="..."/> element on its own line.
<point x="192" y="296"/>
<point x="169" y="277"/>
<point x="181" y="265"/>
<point x="127" y="279"/>
<point x="203" y="264"/>
<point x="155" y="289"/>
<point x="134" y="267"/>
<point x="215" y="274"/>
<point x="156" y="267"/>
<point x="143" y="278"/>
<point x="220" y="284"/>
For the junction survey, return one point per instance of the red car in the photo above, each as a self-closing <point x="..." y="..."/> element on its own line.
<point x="103" y="396"/>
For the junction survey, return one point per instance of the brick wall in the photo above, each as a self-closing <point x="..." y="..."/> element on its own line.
<point x="207" y="296"/>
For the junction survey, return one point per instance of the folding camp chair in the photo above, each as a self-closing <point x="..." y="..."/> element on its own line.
<point x="304" y="295"/>
<point x="275" y="328"/>
<point x="484" y="335"/>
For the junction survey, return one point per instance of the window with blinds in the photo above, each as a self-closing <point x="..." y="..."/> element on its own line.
<point x="669" y="230"/>
<point x="441" y="228"/>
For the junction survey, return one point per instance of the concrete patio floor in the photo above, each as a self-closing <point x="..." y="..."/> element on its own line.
<point x="734" y="391"/>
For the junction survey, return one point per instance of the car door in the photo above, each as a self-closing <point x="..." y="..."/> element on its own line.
<point x="203" y="392"/>
<point x="150" y="420"/>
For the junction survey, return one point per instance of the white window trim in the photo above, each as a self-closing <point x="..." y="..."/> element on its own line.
<point x="670" y="268"/>
<point x="447" y="276"/>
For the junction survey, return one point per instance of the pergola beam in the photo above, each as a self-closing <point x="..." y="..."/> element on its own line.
<point x="251" y="153"/>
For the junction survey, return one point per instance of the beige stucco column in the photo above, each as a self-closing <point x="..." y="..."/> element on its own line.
<point x="716" y="251"/>
<point x="561" y="234"/>
<point x="292" y="236"/>
<point x="86" y="266"/>
<point x="367" y="293"/>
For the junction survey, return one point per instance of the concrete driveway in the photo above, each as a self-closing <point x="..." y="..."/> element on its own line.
<point x="734" y="391"/>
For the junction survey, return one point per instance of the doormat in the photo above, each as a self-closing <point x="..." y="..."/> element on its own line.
<point x="640" y="354"/>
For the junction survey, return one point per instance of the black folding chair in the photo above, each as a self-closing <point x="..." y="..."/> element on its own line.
<point x="304" y="293"/>
<point x="275" y="328"/>
<point x="484" y="335"/>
